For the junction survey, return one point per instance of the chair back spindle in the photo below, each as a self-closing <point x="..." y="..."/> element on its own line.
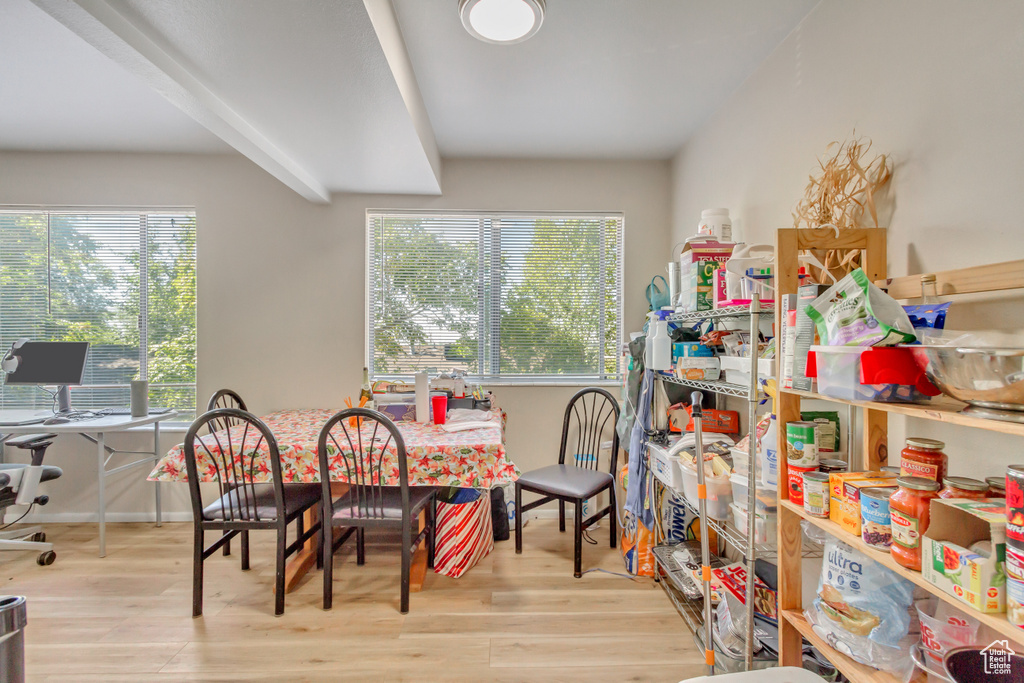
<point x="224" y="398"/>
<point x="590" y="421"/>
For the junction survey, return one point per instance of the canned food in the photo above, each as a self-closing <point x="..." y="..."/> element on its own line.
<point x="829" y="466"/>
<point x="875" y="522"/>
<point x="816" y="493"/>
<point x="1015" y="602"/>
<point x="1015" y="562"/>
<point x="796" y="483"/>
<point x="801" y="446"/>
<point x="1015" y="506"/>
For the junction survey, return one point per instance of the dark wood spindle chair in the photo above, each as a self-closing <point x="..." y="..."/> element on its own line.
<point x="360" y="454"/>
<point x="226" y="398"/>
<point x="589" y="420"/>
<point x="242" y="505"/>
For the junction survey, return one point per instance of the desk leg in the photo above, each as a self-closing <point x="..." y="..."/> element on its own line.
<point x="101" y="476"/>
<point x="156" y="459"/>
<point x="418" y="571"/>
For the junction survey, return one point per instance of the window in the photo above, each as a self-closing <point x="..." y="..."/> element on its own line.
<point x="125" y="281"/>
<point x="502" y="296"/>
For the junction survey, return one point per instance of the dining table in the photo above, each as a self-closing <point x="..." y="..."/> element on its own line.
<point x="473" y="458"/>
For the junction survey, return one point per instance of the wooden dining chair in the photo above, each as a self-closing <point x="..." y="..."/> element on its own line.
<point x="226" y="398"/>
<point x="232" y="457"/>
<point x="589" y="417"/>
<point x="361" y="453"/>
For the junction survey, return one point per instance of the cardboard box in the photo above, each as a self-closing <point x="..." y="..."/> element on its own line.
<point x="947" y="561"/>
<point x="718" y="421"/>
<point x="805" y="335"/>
<point x="835" y="483"/>
<point x="697" y="265"/>
<point x="707" y="369"/>
<point x="691" y="350"/>
<point x="850" y="507"/>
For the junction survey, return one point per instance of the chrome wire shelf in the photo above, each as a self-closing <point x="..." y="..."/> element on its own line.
<point x="722" y="388"/>
<point x="677" y="583"/>
<point x="717" y="313"/>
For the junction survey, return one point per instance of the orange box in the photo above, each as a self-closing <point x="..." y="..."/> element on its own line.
<point x="835" y="484"/>
<point x="718" y="421"/>
<point x="850" y="506"/>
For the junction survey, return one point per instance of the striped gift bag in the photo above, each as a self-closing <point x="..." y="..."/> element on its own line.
<point x="464" y="536"/>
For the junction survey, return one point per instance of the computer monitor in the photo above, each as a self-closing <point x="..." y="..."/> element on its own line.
<point x="60" y="363"/>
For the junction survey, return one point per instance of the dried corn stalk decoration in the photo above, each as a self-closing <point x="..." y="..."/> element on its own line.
<point x="843" y="195"/>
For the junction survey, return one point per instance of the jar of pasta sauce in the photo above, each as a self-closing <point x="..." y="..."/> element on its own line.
<point x="924" y="458"/>
<point x="963" y="487"/>
<point x="908" y="510"/>
<point x="996" y="487"/>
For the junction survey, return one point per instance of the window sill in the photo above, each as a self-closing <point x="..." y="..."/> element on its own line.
<point x="552" y="383"/>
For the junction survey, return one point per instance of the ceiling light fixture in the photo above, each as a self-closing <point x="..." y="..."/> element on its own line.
<point x="503" y="22"/>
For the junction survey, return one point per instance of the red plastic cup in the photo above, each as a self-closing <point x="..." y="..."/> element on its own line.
<point x="440" y="408"/>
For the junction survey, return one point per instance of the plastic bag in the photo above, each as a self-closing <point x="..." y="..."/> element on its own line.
<point x="856" y="312"/>
<point x="865" y="610"/>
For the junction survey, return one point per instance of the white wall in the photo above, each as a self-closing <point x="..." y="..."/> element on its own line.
<point x="937" y="84"/>
<point x="280" y="280"/>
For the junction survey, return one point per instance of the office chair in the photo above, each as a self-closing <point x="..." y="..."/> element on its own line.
<point x="18" y="486"/>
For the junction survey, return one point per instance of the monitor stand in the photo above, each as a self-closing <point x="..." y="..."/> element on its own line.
<point x="63" y="399"/>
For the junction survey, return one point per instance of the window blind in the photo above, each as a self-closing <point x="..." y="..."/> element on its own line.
<point x="503" y="296"/>
<point x="123" y="281"/>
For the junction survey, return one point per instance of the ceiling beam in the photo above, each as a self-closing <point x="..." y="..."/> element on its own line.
<point x="389" y="35"/>
<point x="103" y="27"/>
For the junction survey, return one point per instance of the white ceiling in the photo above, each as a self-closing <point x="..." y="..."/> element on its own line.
<point x="326" y="94"/>
<point x="602" y="78"/>
<point x="57" y="92"/>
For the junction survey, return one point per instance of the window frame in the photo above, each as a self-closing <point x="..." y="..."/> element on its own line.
<point x="49" y="209"/>
<point x="494" y="301"/>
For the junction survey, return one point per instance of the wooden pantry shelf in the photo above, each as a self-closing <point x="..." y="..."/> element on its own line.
<point x="938" y="410"/>
<point x="855" y="671"/>
<point x="994" y="621"/>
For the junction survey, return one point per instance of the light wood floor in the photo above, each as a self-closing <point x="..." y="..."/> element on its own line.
<point x="511" y="618"/>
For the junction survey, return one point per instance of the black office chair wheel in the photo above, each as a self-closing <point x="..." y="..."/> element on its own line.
<point x="39" y="537"/>
<point x="46" y="558"/>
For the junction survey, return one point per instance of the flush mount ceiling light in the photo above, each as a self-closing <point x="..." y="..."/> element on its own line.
<point x="503" y="22"/>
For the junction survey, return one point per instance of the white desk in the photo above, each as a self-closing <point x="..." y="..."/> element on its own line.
<point x="95" y="431"/>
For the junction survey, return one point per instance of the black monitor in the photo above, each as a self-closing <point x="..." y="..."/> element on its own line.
<point x="60" y="363"/>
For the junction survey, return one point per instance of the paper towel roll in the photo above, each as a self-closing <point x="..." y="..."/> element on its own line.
<point x="422" y="397"/>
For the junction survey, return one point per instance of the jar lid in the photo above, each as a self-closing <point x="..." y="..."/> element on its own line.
<point x="830" y="464"/>
<point x="918" y="483"/>
<point x="816" y="476"/>
<point x="965" y="484"/>
<point x="925" y="444"/>
<point x="996" y="482"/>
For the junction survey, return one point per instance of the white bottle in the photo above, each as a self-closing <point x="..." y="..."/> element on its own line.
<point x="659" y="345"/>
<point x="768" y="455"/>
<point x="715" y="223"/>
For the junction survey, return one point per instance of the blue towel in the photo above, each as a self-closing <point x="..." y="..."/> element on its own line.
<point x="637" y="489"/>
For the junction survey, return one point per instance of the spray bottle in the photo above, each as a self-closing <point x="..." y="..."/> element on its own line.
<point x="658" y="353"/>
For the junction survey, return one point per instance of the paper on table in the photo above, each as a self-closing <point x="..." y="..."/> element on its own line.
<point x="464" y="426"/>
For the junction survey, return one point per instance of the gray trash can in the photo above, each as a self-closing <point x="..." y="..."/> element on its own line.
<point x="13" y="617"/>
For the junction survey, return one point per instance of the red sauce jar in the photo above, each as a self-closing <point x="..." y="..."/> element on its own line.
<point x="996" y="487"/>
<point x="924" y="458"/>
<point x="963" y="487"/>
<point x="908" y="510"/>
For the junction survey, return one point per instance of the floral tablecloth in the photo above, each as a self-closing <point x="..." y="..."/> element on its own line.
<point x="473" y="458"/>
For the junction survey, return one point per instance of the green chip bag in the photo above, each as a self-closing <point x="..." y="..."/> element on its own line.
<point x="856" y="312"/>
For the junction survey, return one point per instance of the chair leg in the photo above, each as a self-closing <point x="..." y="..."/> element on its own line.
<point x="578" y="533"/>
<point x="613" y="517"/>
<point x="406" y="564"/>
<point x="360" y="546"/>
<point x="197" y="572"/>
<point x="300" y="525"/>
<point x="227" y="545"/>
<point x="431" y="534"/>
<point x="282" y="542"/>
<point x="519" y="520"/>
<point x="561" y="515"/>
<point x="326" y="545"/>
<point x="245" y="551"/>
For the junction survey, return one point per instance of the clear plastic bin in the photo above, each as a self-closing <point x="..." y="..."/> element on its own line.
<point x="718" y="488"/>
<point x="765" y="526"/>
<point x="867" y="373"/>
<point x="741" y="462"/>
<point x="766" y="498"/>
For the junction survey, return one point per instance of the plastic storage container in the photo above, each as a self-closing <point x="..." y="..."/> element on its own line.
<point x="665" y="467"/>
<point x="765" y="526"/>
<point x="741" y="462"/>
<point x="718" y="488"/>
<point x="765" y="500"/>
<point x="867" y="373"/>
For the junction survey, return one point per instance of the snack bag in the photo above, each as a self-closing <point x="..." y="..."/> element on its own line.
<point x="855" y="312"/>
<point x="865" y="610"/>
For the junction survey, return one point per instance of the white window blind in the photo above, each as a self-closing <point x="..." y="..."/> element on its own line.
<point x="125" y="281"/>
<point x="504" y="296"/>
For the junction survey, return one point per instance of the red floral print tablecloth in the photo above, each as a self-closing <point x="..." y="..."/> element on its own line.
<point x="473" y="458"/>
